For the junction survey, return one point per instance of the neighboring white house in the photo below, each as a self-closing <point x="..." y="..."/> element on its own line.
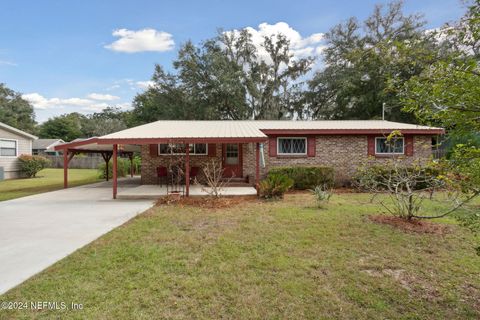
<point x="13" y="143"/>
<point x="45" y="147"/>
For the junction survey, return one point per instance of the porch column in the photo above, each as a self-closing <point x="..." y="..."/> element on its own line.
<point x="115" y="151"/>
<point x="65" y="168"/>
<point x="257" y="166"/>
<point x="187" y="169"/>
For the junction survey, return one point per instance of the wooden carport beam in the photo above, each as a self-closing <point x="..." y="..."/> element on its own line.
<point x="257" y="167"/>
<point x="115" y="151"/>
<point x="67" y="157"/>
<point x="106" y="156"/>
<point x="187" y="170"/>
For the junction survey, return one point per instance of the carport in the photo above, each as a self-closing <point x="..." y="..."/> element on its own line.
<point x="91" y="145"/>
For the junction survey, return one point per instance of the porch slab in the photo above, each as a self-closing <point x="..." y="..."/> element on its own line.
<point x="155" y="191"/>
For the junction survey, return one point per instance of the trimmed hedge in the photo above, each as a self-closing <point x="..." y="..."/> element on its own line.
<point x="307" y="177"/>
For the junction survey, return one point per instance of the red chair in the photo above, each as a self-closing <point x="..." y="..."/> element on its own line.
<point x="161" y="174"/>
<point x="194" y="173"/>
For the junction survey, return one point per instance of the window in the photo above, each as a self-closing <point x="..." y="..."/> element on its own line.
<point x="394" y="146"/>
<point x="292" y="146"/>
<point x="179" y="148"/>
<point x="8" y="148"/>
<point x="231" y="154"/>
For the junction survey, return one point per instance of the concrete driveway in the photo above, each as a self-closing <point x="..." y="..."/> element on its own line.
<point x="37" y="231"/>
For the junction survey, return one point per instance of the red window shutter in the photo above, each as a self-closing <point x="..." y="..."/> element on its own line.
<point x="371" y="145"/>
<point x="311" y="146"/>
<point x="212" y="150"/>
<point x="153" y="150"/>
<point x="272" y="146"/>
<point x="409" y="145"/>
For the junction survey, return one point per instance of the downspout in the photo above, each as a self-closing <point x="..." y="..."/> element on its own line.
<point x="262" y="155"/>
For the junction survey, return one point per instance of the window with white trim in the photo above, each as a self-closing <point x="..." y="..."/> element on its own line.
<point x="179" y="148"/>
<point x="394" y="146"/>
<point x="8" y="148"/>
<point x="292" y="146"/>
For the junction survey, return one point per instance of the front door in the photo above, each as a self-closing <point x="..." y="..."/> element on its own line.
<point x="232" y="160"/>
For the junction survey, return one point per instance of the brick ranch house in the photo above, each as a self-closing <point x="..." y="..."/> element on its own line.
<point x="248" y="149"/>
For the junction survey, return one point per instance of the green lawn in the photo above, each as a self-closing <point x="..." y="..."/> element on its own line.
<point x="46" y="180"/>
<point x="263" y="260"/>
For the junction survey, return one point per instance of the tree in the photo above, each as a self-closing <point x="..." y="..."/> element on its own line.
<point x="66" y="127"/>
<point x="225" y="78"/>
<point x="16" y="111"/>
<point x="359" y="65"/>
<point x="101" y="123"/>
<point x="448" y="92"/>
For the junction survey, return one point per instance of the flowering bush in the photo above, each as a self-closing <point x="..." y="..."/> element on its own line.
<point x="31" y="165"/>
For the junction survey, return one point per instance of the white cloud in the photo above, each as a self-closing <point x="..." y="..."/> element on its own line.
<point x="145" y="84"/>
<point x="92" y="104"/>
<point x="102" y="97"/>
<point x="8" y="63"/>
<point x="142" y="40"/>
<point x="301" y="47"/>
<point x="40" y="102"/>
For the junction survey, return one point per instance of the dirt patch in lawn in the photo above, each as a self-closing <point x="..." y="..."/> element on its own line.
<point x="207" y="202"/>
<point x="414" y="225"/>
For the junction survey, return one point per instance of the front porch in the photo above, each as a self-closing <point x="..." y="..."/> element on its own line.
<point x="131" y="188"/>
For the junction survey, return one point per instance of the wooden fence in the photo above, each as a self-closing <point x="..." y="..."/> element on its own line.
<point x="76" y="163"/>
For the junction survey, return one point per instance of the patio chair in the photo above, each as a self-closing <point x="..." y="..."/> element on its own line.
<point x="162" y="174"/>
<point x="194" y="173"/>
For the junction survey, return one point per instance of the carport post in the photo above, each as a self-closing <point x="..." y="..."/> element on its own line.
<point x="130" y="156"/>
<point x="115" y="148"/>
<point x="65" y="168"/>
<point x="257" y="166"/>
<point x="187" y="169"/>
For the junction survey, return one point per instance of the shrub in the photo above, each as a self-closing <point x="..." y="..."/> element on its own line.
<point x="307" y="177"/>
<point x="31" y="165"/>
<point x="322" y="193"/>
<point x="137" y="164"/>
<point x="123" y="168"/>
<point x="213" y="173"/>
<point x="275" y="186"/>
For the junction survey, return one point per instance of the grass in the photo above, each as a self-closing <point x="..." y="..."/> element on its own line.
<point x="46" y="180"/>
<point x="261" y="260"/>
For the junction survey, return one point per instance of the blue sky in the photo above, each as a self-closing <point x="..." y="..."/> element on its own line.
<point x="67" y="56"/>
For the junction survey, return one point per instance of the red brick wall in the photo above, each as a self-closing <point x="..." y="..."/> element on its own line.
<point x="150" y="164"/>
<point x="344" y="153"/>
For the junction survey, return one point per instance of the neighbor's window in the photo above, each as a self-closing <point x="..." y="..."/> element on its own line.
<point x="394" y="146"/>
<point x="179" y="148"/>
<point x="292" y="146"/>
<point x="8" y="148"/>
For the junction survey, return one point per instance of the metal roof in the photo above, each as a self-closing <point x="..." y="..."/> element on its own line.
<point x="169" y="129"/>
<point x="339" y="125"/>
<point x="91" y="144"/>
<point x="42" y="144"/>
<point x="207" y="131"/>
<point x="17" y="131"/>
<point x="184" y="129"/>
